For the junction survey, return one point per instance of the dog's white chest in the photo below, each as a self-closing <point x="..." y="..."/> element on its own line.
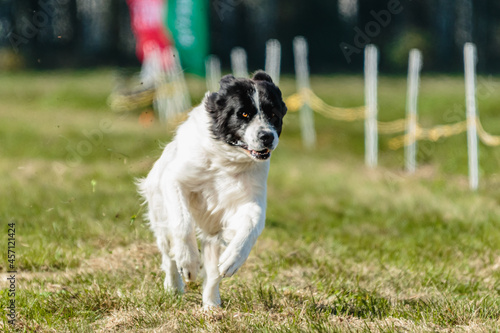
<point x="215" y="201"/>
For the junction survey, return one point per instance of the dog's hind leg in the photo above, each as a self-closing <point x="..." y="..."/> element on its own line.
<point x="211" y="296"/>
<point x="173" y="281"/>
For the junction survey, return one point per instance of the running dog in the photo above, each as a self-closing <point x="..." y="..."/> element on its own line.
<point x="210" y="183"/>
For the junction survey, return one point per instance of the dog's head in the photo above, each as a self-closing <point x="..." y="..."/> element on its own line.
<point x="247" y="114"/>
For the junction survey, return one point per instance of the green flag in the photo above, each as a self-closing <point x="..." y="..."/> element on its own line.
<point x="187" y="20"/>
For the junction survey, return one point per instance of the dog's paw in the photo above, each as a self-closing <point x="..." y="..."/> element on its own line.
<point x="188" y="263"/>
<point x="230" y="261"/>
<point x="173" y="285"/>
<point x="210" y="308"/>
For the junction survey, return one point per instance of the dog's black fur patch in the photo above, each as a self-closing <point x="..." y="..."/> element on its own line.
<point x="271" y="101"/>
<point x="232" y="107"/>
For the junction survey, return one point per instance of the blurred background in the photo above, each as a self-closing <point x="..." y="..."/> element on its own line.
<point x="83" y="33"/>
<point x="343" y="245"/>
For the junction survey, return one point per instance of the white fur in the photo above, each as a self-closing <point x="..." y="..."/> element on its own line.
<point x="201" y="186"/>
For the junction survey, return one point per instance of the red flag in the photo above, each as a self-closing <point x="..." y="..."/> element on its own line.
<point x="147" y="26"/>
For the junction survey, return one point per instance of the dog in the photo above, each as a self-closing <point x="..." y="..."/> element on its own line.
<point x="210" y="183"/>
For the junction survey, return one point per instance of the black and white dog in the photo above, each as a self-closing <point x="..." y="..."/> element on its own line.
<point x="211" y="181"/>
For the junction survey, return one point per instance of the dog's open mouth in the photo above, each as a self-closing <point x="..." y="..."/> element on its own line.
<point x="259" y="155"/>
<point x="262" y="155"/>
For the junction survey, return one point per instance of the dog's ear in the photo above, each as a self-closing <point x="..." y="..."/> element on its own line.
<point x="262" y="76"/>
<point x="214" y="102"/>
<point x="226" y="81"/>
<point x="217" y="100"/>
<point x="284" y="109"/>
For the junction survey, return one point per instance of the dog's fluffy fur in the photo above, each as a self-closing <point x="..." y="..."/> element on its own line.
<point x="211" y="182"/>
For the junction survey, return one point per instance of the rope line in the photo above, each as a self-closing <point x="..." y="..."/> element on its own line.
<point x="486" y="138"/>
<point x="296" y="101"/>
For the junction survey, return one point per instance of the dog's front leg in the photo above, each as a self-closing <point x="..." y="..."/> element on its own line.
<point x="247" y="225"/>
<point x="211" y="295"/>
<point x="184" y="249"/>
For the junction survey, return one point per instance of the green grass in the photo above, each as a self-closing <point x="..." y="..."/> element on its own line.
<point x="345" y="249"/>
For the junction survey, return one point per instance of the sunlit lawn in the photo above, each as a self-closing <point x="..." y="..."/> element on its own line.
<point x="345" y="248"/>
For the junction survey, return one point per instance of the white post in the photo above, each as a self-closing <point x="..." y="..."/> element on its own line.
<point x="239" y="62"/>
<point x="303" y="84"/>
<point x="414" y="66"/>
<point x="273" y="60"/>
<point x="154" y="71"/>
<point x="371" y="132"/>
<point x="171" y="96"/>
<point x="470" y="61"/>
<point x="182" y="93"/>
<point x="213" y="73"/>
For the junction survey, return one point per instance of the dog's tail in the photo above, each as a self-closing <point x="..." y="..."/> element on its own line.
<point x="140" y="183"/>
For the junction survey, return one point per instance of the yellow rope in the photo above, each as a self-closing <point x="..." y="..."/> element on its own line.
<point x="431" y="134"/>
<point x="345" y="114"/>
<point x="134" y="100"/>
<point x="122" y="102"/>
<point x="443" y="131"/>
<point x="297" y="100"/>
<point x="391" y="127"/>
<point x="486" y="138"/>
<point x="294" y="102"/>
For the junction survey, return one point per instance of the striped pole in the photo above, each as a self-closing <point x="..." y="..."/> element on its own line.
<point x="213" y="73"/>
<point x="273" y="60"/>
<point x="303" y="85"/>
<point x="239" y="62"/>
<point x="414" y="66"/>
<point x="470" y="99"/>
<point x="371" y="132"/>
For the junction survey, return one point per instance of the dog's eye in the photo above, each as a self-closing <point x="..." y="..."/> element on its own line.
<point x="244" y="114"/>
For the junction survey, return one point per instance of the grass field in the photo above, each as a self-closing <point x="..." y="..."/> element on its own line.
<point x="344" y="249"/>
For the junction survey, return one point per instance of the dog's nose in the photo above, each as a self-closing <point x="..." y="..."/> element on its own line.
<point x="266" y="138"/>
